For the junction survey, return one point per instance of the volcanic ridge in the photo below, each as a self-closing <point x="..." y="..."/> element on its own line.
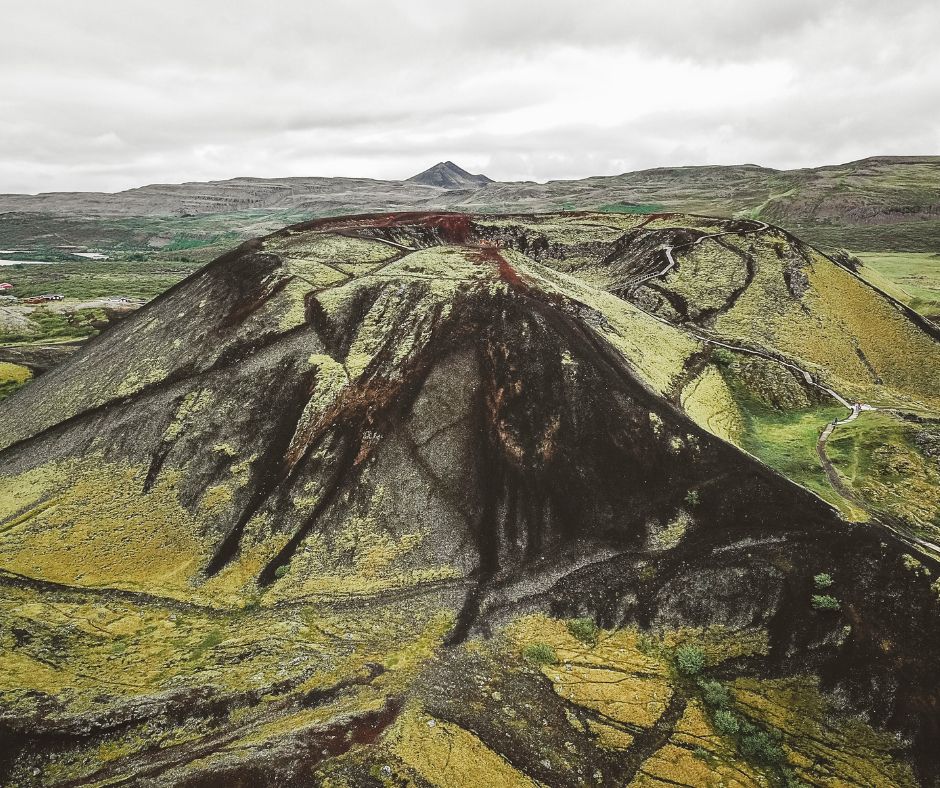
<point x="382" y="499"/>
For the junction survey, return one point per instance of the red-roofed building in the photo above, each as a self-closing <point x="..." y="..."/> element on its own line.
<point x="5" y="286"/>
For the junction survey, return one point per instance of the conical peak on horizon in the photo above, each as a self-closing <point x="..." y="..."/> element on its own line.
<point x="447" y="175"/>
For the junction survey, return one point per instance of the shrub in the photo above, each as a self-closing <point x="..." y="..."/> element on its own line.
<point x="790" y="779"/>
<point x="726" y="722"/>
<point x="281" y="571"/>
<point x="822" y="581"/>
<point x="825" y="602"/>
<point x="690" y="660"/>
<point x="584" y="629"/>
<point x="701" y="753"/>
<point x="540" y="654"/>
<point x="646" y="645"/>
<point x="691" y="498"/>
<point x="745" y="728"/>
<point x="760" y="747"/>
<point x="714" y="693"/>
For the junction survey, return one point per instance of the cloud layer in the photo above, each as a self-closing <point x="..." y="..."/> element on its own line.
<point x="109" y="95"/>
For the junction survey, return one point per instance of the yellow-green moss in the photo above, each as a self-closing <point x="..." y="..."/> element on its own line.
<point x="709" y="403"/>
<point x="447" y="756"/>
<point x="101" y="530"/>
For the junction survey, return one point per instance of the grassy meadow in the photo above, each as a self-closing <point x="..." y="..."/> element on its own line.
<point x="913" y="278"/>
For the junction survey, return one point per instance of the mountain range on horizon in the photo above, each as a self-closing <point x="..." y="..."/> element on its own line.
<point x="449" y="175"/>
<point x="880" y="204"/>
<point x="861" y="190"/>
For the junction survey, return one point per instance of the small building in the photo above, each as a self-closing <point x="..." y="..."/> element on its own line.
<point x="4" y="286"/>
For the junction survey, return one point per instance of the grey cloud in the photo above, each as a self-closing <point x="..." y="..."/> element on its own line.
<point x="109" y="95"/>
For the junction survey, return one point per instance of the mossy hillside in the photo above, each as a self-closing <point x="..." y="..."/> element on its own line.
<point x="840" y="329"/>
<point x="877" y="455"/>
<point x="656" y="350"/>
<point x="368" y="543"/>
<point x="776" y="418"/>
<point x="327" y="249"/>
<point x="206" y="405"/>
<point x="792" y="709"/>
<point x="252" y="670"/>
<point x="430" y="277"/>
<point x="884" y="460"/>
<point x="360" y="558"/>
<point x="85" y="522"/>
<point x="786" y="441"/>
<point x="912" y="278"/>
<point x="761" y="383"/>
<point x="443" y="754"/>
<point x="709" y="275"/>
<point x="369" y="699"/>
<point x="589" y="718"/>
<point x="435" y="276"/>
<point x="821" y="746"/>
<point x="905" y="358"/>
<point x="153" y="345"/>
<point x="443" y="267"/>
<point x="12" y="378"/>
<point x="709" y="401"/>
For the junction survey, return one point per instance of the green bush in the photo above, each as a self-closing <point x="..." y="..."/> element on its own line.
<point x="790" y="779"/>
<point x="691" y="498"/>
<point x="647" y="645"/>
<point x="825" y="602"/>
<point x="540" y="654"/>
<point x="689" y="660"/>
<point x="822" y="581"/>
<point x="584" y="629"/>
<point x="281" y="571"/>
<point x="714" y="693"/>
<point x="726" y="722"/>
<point x="760" y="747"/>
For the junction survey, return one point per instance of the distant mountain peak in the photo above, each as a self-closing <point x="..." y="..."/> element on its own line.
<point x="447" y="175"/>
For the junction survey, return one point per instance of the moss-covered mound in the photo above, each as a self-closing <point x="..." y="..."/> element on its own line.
<point x="272" y="528"/>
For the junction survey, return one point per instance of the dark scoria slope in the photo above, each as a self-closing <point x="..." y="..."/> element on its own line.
<point x="392" y="408"/>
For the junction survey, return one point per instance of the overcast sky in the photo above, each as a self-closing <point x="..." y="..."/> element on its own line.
<point x="106" y="95"/>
